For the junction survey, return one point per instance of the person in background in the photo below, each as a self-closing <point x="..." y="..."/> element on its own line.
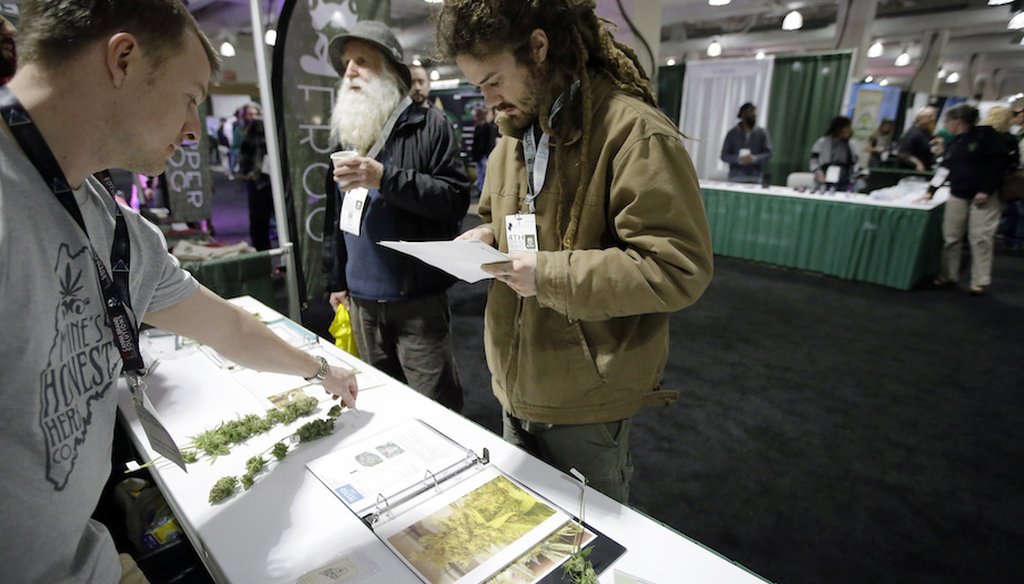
<point x="919" y="146"/>
<point x="746" y="147"/>
<point x="576" y="324"/>
<point x="224" y="146"/>
<point x="485" y="135"/>
<point x="104" y="85"/>
<point x="1010" y="229"/>
<point x="8" y="51"/>
<point x="252" y="168"/>
<point x="975" y="160"/>
<point x="407" y="182"/>
<point x="419" y="90"/>
<point x="879" y="143"/>
<point x="833" y="151"/>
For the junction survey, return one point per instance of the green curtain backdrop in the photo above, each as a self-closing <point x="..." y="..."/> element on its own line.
<point x="807" y="92"/>
<point x="670" y="90"/>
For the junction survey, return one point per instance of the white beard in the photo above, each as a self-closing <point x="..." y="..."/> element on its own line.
<point x="359" y="116"/>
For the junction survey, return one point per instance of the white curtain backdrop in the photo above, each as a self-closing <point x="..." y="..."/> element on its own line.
<point x="713" y="92"/>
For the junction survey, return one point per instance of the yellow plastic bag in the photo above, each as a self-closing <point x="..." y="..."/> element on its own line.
<point x="341" y="330"/>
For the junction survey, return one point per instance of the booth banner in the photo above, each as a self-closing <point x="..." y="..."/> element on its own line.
<point x="866" y="113"/>
<point x="304" y="85"/>
<point x="188" y="181"/>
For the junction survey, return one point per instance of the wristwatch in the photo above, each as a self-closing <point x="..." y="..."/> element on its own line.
<point x="321" y="373"/>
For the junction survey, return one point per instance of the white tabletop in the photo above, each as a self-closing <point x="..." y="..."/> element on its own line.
<point x="288" y="523"/>
<point x="909" y="202"/>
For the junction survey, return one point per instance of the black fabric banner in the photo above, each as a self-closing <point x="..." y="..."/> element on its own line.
<point x="304" y="85"/>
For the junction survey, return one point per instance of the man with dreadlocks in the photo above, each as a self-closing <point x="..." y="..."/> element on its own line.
<point x="592" y="194"/>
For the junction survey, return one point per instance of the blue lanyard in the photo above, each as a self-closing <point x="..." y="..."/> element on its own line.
<point x="534" y="152"/>
<point x="116" y="296"/>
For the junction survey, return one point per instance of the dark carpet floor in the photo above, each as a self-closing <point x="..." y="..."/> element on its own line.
<point x="827" y="431"/>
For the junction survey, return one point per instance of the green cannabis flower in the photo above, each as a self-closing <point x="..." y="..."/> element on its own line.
<point x="316" y="429"/>
<point x="280" y="450"/>
<point x="223" y="488"/>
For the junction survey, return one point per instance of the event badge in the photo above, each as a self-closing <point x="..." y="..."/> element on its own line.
<point x="941" y="174"/>
<point x="159" y="438"/>
<point x="352" y="210"/>
<point x="832" y="174"/>
<point x="521" y="232"/>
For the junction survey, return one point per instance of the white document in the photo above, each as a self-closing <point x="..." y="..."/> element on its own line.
<point x="386" y="464"/>
<point x="461" y="259"/>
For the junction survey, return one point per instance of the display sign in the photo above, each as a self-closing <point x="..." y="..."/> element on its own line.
<point x="304" y="86"/>
<point x="188" y="181"/>
<point x="867" y="113"/>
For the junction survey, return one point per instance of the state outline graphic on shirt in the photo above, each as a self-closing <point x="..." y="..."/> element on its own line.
<point x="80" y="368"/>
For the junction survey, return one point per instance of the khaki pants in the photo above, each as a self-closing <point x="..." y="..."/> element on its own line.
<point x="599" y="451"/>
<point x="980" y="223"/>
<point x="130" y="572"/>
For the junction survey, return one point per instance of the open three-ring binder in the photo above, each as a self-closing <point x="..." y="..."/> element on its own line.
<point x="450" y="515"/>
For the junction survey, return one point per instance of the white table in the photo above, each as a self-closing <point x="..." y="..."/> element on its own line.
<point x="288" y="523"/>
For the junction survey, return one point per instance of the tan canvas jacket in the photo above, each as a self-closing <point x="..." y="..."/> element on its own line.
<point x="591" y="346"/>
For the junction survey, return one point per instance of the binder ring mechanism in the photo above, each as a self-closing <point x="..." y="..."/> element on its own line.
<point x="385" y="507"/>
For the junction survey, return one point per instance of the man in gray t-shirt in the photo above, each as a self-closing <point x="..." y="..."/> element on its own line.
<point x="97" y="88"/>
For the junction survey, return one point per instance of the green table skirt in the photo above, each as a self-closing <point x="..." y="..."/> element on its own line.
<point x="246" y="274"/>
<point x="882" y="245"/>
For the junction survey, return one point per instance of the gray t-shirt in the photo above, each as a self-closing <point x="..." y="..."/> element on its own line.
<point x="59" y="368"/>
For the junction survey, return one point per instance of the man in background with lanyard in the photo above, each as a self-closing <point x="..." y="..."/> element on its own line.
<point x="99" y="85"/>
<point x="592" y="194"/>
<point x="399" y="178"/>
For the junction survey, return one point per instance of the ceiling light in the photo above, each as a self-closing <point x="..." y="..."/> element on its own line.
<point x="875" y="51"/>
<point x="868" y="79"/>
<point x="270" y="37"/>
<point x="718" y="2"/>
<point x="435" y="75"/>
<point x="884" y="82"/>
<point x="1017" y="22"/>
<point x="714" y="49"/>
<point x="953" y="77"/>
<point x="433" y="2"/>
<point x="227" y="49"/>
<point x="759" y="55"/>
<point x="416" y="62"/>
<point x="670" y="62"/>
<point x="942" y="73"/>
<point x="793" y="21"/>
<point x="998" y="2"/>
<point x="903" y="60"/>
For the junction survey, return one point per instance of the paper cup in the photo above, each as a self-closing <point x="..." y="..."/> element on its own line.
<point x="337" y="157"/>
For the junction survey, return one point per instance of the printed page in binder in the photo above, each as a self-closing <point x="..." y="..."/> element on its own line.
<point x="378" y="468"/>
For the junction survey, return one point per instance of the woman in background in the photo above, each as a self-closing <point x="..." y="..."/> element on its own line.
<point x="833" y="150"/>
<point x="879" y="143"/>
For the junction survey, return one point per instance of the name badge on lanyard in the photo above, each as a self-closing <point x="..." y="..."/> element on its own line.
<point x="352" y="210"/>
<point x="521" y="232"/>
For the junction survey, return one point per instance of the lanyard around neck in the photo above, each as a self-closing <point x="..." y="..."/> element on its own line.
<point x="115" y="290"/>
<point x="537" y="154"/>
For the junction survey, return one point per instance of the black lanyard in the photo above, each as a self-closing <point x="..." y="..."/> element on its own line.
<point x="116" y="298"/>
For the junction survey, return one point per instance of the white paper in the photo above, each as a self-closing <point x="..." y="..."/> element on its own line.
<point x="461" y="258"/>
<point x="385" y="464"/>
<point x="832" y="174"/>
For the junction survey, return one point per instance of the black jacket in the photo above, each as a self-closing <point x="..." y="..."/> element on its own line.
<point x="977" y="161"/>
<point x="424" y="194"/>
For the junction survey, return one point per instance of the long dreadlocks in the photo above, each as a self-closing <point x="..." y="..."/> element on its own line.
<point x="580" y="43"/>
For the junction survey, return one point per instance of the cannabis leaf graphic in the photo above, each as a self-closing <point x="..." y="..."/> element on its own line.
<point x="70" y="286"/>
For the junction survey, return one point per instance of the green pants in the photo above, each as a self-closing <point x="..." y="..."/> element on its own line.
<point x="599" y="451"/>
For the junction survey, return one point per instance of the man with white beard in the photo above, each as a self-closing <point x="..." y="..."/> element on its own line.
<point x="405" y="182"/>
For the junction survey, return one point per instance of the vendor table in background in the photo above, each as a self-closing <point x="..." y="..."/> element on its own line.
<point x="289" y="523"/>
<point x="246" y="274"/>
<point x="848" y="236"/>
